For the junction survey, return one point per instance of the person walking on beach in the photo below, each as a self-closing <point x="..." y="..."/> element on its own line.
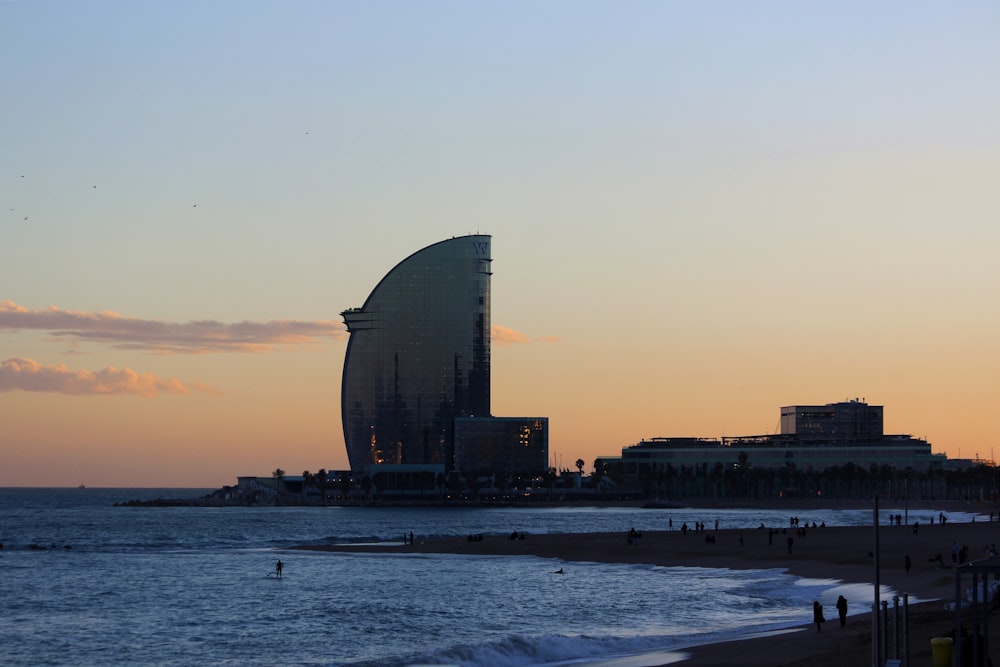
<point x="906" y="563"/>
<point x="842" y="610"/>
<point x="277" y="569"/>
<point x="818" y="616"/>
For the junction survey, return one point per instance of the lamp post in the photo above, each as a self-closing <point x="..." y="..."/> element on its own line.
<point x="876" y="626"/>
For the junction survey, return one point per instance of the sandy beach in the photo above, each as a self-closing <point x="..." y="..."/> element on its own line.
<point x="842" y="553"/>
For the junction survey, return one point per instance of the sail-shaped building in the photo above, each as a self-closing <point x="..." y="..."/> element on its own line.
<point x="418" y="358"/>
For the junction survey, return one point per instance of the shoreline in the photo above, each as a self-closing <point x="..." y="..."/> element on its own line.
<point x="838" y="553"/>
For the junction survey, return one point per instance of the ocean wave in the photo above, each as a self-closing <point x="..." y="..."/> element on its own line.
<point x="560" y="650"/>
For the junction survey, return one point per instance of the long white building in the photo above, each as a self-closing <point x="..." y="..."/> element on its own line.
<point x="812" y="438"/>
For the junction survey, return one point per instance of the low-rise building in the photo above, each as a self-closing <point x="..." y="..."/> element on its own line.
<point x="812" y="438"/>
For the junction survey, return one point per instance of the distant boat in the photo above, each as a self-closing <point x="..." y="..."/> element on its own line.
<point x="82" y="486"/>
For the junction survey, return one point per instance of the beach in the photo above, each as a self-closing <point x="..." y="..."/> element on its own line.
<point x="839" y="553"/>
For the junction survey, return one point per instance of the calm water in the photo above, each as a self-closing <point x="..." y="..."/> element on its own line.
<point x="183" y="586"/>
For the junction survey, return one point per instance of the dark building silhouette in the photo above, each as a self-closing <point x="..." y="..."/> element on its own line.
<point x="813" y="437"/>
<point x="418" y="358"/>
<point x="846" y="421"/>
<point x="501" y="444"/>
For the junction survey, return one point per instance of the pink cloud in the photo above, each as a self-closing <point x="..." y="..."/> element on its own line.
<point x="505" y="336"/>
<point x="29" y="375"/>
<point x="205" y="336"/>
<point x="197" y="337"/>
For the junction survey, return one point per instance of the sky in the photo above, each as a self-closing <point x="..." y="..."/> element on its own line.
<point x="700" y="212"/>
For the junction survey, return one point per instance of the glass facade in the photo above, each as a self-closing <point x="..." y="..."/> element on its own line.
<point x="419" y="356"/>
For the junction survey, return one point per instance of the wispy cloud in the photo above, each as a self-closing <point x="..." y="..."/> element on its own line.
<point x="199" y="337"/>
<point x="29" y="375"/>
<point x="505" y="336"/>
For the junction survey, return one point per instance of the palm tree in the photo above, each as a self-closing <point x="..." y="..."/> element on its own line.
<point x="322" y="481"/>
<point x="600" y="470"/>
<point x="279" y="476"/>
<point x="345" y="484"/>
<point x="307" y="480"/>
<point x="744" y="466"/>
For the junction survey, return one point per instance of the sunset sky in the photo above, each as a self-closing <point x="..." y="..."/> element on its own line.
<point x="701" y="212"/>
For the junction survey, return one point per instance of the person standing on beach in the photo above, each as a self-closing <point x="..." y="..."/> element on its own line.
<point x="818" y="616"/>
<point x="842" y="610"/>
<point x="906" y="563"/>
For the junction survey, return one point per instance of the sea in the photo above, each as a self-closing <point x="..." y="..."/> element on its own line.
<point x="87" y="581"/>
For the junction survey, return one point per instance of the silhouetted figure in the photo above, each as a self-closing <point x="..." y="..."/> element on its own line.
<point x="278" y="567"/>
<point x="842" y="610"/>
<point x="818" y="616"/>
<point x="906" y="563"/>
<point x="790" y="542"/>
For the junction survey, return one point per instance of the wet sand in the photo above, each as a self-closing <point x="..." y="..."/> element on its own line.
<point x="843" y="553"/>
